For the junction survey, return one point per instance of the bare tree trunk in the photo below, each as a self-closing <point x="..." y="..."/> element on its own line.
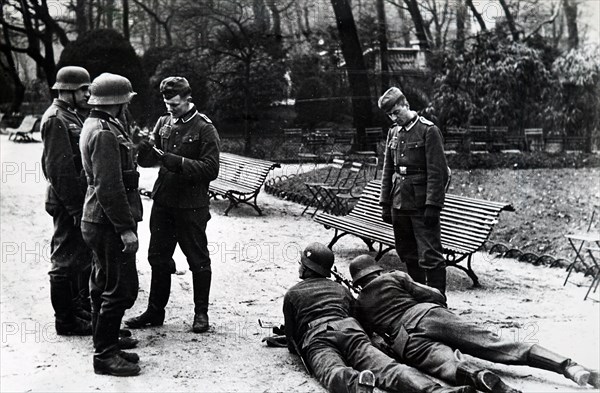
<point x="510" y="20"/>
<point x="417" y="18"/>
<point x="125" y="4"/>
<point x="11" y="68"/>
<point x="81" y="18"/>
<point x="570" y="8"/>
<point x="477" y="15"/>
<point x="383" y="45"/>
<point x="109" y="13"/>
<point x="461" y="17"/>
<point x="355" y="67"/>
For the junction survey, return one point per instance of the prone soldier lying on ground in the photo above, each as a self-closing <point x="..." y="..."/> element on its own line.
<point x="332" y="344"/>
<point x="423" y="333"/>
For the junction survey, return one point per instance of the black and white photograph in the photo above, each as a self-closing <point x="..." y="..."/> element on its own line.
<point x="346" y="196"/>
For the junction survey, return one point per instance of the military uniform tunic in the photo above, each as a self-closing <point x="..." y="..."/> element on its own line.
<point x="112" y="206"/>
<point x="334" y="345"/>
<point x="61" y="165"/>
<point x="415" y="174"/>
<point x="423" y="333"/>
<point x="180" y="211"/>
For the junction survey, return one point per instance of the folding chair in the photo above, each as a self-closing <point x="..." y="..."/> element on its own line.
<point x="330" y="201"/>
<point x="331" y="179"/>
<point x="341" y="144"/>
<point x="595" y="271"/>
<point x="577" y="241"/>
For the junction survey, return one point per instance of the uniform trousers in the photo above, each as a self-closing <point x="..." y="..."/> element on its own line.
<point x="417" y="245"/>
<point x="114" y="281"/>
<point x="436" y="342"/>
<point x="170" y="226"/>
<point x="71" y="258"/>
<point x="342" y="349"/>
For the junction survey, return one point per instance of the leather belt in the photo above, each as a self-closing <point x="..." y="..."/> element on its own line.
<point x="409" y="170"/>
<point x="319" y="321"/>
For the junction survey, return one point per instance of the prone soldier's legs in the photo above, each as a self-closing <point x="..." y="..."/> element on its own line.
<point x="441" y="361"/>
<point x="329" y="366"/>
<point x="406" y="244"/>
<point x="441" y="325"/>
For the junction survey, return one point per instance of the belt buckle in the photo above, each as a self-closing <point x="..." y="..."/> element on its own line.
<point x="402" y="170"/>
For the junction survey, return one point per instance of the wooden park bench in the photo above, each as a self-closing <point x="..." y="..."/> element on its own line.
<point x="24" y="133"/>
<point x="466" y="223"/>
<point x="240" y="180"/>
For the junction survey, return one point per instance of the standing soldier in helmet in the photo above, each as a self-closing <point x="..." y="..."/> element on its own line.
<point x="413" y="183"/>
<point x="61" y="163"/>
<point x="111" y="212"/>
<point x="187" y="149"/>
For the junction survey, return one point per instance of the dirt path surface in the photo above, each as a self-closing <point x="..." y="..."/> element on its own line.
<point x="254" y="262"/>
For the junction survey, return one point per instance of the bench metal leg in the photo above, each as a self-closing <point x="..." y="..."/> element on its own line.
<point x="337" y="236"/>
<point x="381" y="252"/>
<point x="236" y="201"/>
<point x="468" y="269"/>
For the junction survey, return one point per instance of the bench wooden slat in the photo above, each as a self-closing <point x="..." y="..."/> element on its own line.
<point x="240" y="179"/>
<point x="466" y="223"/>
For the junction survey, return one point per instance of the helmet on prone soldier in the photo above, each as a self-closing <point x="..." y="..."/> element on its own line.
<point x="318" y="258"/>
<point x="362" y="266"/>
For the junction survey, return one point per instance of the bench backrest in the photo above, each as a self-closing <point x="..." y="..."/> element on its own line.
<point x="466" y="223"/>
<point x="242" y="170"/>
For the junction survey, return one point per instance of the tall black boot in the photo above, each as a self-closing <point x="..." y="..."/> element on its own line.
<point x="545" y="359"/>
<point x="160" y="289"/>
<point x="201" y="293"/>
<point x="414" y="381"/>
<point x="417" y="273"/>
<point x="107" y="356"/>
<point x="66" y="323"/>
<point x="481" y="379"/>
<point x="436" y="278"/>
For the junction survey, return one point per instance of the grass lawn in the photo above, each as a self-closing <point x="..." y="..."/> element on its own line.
<point x="549" y="203"/>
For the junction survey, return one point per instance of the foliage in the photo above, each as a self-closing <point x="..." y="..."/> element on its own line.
<point x="174" y="62"/>
<point x="313" y="103"/>
<point x="494" y="83"/>
<point x="578" y="72"/>
<point x="107" y="50"/>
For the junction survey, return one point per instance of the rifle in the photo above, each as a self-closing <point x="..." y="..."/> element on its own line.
<point x="339" y="277"/>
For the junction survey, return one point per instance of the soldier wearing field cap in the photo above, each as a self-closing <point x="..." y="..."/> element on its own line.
<point x="61" y="163"/>
<point x="187" y="149"/>
<point x="319" y="327"/>
<point x="111" y="212"/>
<point x="413" y="183"/>
<point x="423" y="333"/>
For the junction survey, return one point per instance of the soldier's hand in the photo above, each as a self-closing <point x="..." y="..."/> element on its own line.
<point x="77" y="220"/>
<point x="172" y="162"/>
<point x="130" y="242"/>
<point x="386" y="214"/>
<point x="144" y="146"/>
<point x="432" y="215"/>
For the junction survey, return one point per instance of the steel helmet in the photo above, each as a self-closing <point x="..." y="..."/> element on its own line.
<point x="318" y="258"/>
<point x="71" y="78"/>
<point x="362" y="266"/>
<point x="110" y="89"/>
